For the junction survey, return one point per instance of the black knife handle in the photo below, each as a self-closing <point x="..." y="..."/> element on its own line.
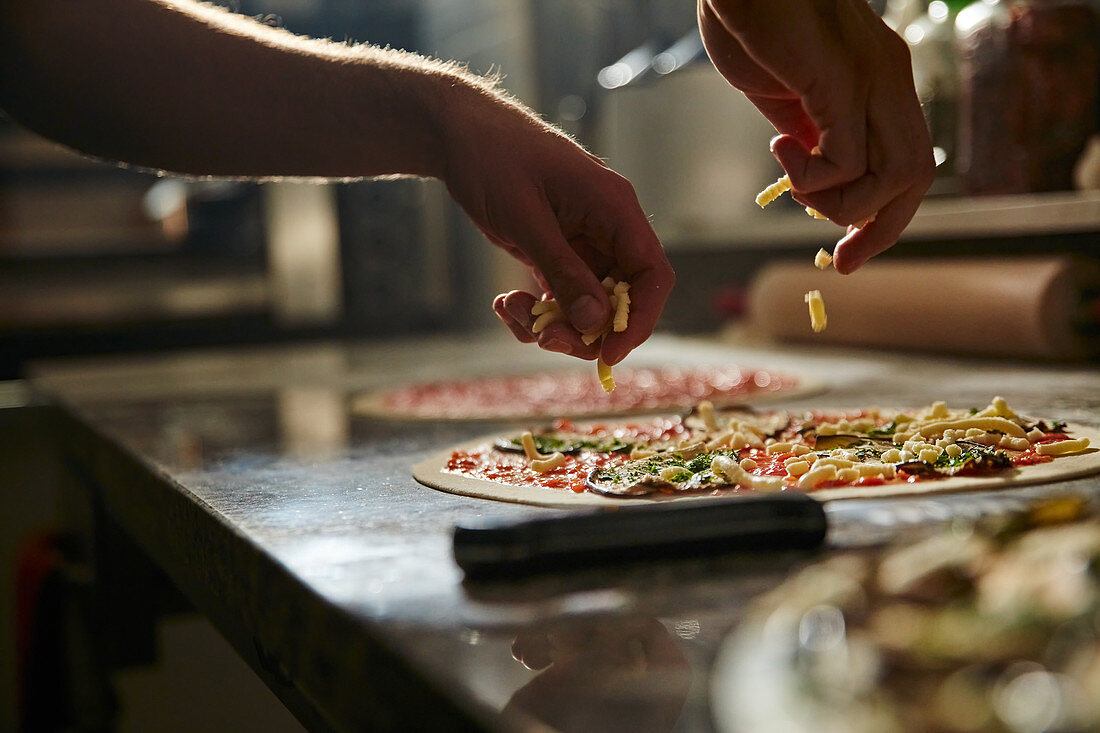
<point x="789" y="520"/>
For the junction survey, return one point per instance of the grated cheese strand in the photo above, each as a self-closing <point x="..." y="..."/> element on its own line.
<point x="774" y="191"/>
<point x="544" y="320"/>
<point x="603" y="371"/>
<point x="1063" y="447"/>
<point x="529" y="449"/>
<point x="554" y="460"/>
<point x="817" y="310"/>
<point x="622" y="307"/>
<point x="548" y="312"/>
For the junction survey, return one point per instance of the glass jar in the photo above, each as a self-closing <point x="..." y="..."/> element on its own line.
<point x="1029" y="72"/>
<point x="931" y="39"/>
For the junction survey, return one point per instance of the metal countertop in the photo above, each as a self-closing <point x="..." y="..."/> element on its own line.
<point x="297" y="528"/>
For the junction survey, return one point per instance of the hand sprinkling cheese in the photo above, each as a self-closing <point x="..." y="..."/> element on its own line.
<point x="545" y="312"/>
<point x="817" y="310"/>
<point x="781" y="186"/>
<point x="777" y="189"/>
<point x="548" y="311"/>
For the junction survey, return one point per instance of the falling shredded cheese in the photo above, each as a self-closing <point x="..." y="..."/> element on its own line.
<point x="548" y="311"/>
<point x="603" y="371"/>
<point x="823" y="259"/>
<point x="817" y="310"/>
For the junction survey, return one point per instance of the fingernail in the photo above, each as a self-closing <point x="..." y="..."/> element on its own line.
<point x="586" y="314"/>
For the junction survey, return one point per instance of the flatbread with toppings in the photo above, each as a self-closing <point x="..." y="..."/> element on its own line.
<point x="859" y="453"/>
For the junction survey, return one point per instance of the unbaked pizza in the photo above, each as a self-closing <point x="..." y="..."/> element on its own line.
<point x="869" y="452"/>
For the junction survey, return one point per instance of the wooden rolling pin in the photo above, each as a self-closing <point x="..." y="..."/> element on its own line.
<point x="1022" y="307"/>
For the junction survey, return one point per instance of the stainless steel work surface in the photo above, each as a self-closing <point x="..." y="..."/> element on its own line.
<point x="297" y="528"/>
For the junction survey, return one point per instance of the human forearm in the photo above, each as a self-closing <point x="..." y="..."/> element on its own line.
<point x="186" y="87"/>
<point x="194" y="89"/>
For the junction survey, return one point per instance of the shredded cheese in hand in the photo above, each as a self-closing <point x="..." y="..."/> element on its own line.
<point x="774" y="191"/>
<point x="622" y="307"/>
<point x="777" y="189"/>
<point x="545" y="312"/>
<point x="548" y="311"/>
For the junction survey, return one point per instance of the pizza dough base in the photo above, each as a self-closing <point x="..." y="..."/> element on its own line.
<point x="431" y="472"/>
<point x="373" y="404"/>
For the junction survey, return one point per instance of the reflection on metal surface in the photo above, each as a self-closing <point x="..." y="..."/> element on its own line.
<point x="362" y="567"/>
<point x="620" y="674"/>
<point x="313" y="421"/>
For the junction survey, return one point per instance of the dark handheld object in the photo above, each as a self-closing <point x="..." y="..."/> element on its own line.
<point x="787" y="521"/>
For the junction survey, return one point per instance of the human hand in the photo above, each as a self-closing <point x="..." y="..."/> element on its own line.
<point x="542" y="198"/>
<point x="831" y="74"/>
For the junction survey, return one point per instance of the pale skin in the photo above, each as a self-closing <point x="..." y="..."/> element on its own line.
<point x="830" y="73"/>
<point x="186" y="87"/>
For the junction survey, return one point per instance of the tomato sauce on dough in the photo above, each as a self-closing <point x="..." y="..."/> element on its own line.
<point x="574" y="393"/>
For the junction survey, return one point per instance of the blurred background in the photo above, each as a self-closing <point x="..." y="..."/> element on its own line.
<point x="96" y="258"/>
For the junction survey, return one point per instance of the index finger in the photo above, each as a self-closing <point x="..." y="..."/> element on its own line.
<point x="572" y="282"/>
<point x="860" y="245"/>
